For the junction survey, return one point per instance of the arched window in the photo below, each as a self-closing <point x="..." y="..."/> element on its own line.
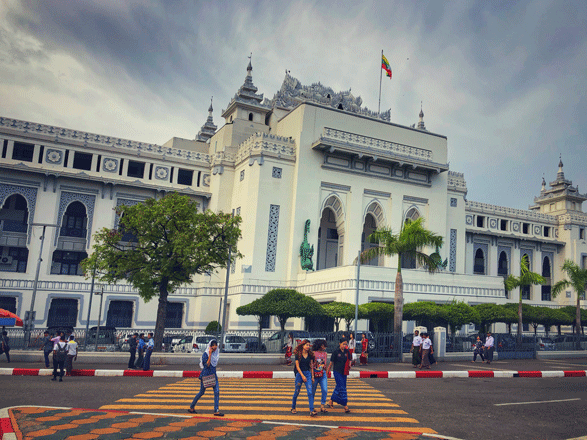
<point x="327" y="241"/>
<point x="479" y="265"/>
<point x="15" y="214"/>
<point x="369" y="227"/>
<point x="119" y="314"/>
<point x="502" y="265"/>
<point x="250" y="116"/>
<point x="74" y="221"/>
<point x="546" y="273"/>
<point x="412" y="214"/>
<point x="62" y="312"/>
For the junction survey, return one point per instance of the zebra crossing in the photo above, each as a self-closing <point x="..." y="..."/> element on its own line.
<point x="270" y="400"/>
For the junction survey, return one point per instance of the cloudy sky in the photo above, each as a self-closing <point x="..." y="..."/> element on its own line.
<point x="503" y="80"/>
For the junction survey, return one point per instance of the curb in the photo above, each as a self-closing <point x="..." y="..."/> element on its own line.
<point x="288" y="374"/>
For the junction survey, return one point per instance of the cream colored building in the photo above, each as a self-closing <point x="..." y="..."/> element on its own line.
<point x="309" y="153"/>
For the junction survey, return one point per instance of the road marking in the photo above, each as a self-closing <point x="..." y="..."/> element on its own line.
<point x="540" y="401"/>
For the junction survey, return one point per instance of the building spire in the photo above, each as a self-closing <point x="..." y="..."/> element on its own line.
<point x="248" y="91"/>
<point x="421" y="125"/>
<point x="208" y="129"/>
<point x="560" y="175"/>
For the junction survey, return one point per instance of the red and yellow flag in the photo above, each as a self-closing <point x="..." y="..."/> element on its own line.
<point x="385" y="66"/>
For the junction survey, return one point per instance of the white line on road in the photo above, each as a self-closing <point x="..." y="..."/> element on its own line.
<point x="540" y="401"/>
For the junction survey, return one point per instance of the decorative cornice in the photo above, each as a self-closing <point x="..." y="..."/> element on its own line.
<point x="415" y="200"/>
<point x="335" y="186"/>
<point x="263" y="144"/>
<point x="372" y="192"/>
<point x="82" y="138"/>
<point x="486" y="208"/>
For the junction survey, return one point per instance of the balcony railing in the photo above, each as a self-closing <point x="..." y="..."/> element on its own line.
<point x="13" y="226"/>
<point x="73" y="232"/>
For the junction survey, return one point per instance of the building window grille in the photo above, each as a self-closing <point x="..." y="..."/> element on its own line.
<point x="174" y="315"/>
<point x="67" y="263"/>
<point x="479" y="266"/>
<point x="8" y="303"/>
<point x="62" y="312"/>
<point x="453" y="202"/>
<point x="22" y="151"/>
<point x="119" y="314"/>
<point x="276" y="172"/>
<point x="74" y="221"/>
<point x="242" y="175"/>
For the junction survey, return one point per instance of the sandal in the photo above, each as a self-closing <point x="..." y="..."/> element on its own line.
<point x="322" y="410"/>
<point x="192" y="411"/>
<point x="293" y="411"/>
<point x="314" y="413"/>
<point x="346" y="409"/>
<point x="330" y="405"/>
<point x="219" y="414"/>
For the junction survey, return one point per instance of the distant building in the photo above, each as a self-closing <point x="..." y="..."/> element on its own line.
<point x="310" y="167"/>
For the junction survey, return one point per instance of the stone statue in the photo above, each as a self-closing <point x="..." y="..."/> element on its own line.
<point x="307" y="251"/>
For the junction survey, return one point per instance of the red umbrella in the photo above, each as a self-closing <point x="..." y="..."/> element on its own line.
<point x="7" y="316"/>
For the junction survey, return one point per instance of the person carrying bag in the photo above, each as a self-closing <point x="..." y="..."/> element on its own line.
<point x="208" y="377"/>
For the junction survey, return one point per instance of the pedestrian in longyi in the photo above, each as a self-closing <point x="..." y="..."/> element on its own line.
<point x="337" y="364"/>
<point x="132" y="348"/>
<point x="364" y="350"/>
<point x="304" y="358"/>
<point x="208" y="363"/>
<point x="425" y="350"/>
<point x="478" y="350"/>
<point x="415" y="349"/>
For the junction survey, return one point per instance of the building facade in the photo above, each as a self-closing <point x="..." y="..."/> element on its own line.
<point x="311" y="172"/>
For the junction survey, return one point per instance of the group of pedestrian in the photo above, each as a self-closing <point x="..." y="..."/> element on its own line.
<point x="64" y="349"/>
<point x="422" y="351"/>
<point x="144" y="346"/>
<point x="311" y="370"/>
<point x="486" y="348"/>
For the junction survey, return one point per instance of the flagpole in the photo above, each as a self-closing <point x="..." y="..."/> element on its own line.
<point x="380" y="77"/>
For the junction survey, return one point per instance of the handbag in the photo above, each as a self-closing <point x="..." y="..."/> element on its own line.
<point x="209" y="380"/>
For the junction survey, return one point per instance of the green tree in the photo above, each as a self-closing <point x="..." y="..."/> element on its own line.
<point x="526" y="278"/>
<point x="340" y="311"/>
<point x="167" y="242"/>
<point x="426" y="313"/>
<point x="457" y="314"/>
<point x="284" y="304"/>
<point x="491" y="313"/>
<point x="408" y="243"/>
<point x="380" y="314"/>
<point x="213" y="327"/>
<point x="577" y="279"/>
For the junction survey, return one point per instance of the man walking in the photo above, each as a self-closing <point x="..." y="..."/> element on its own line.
<point x="149" y="350"/>
<point x="132" y="348"/>
<point x="141" y="350"/>
<point x="489" y="345"/>
<point x="71" y="354"/>
<point x="416" y="343"/>
<point x="59" y="357"/>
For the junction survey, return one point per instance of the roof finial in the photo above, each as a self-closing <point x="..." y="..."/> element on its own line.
<point x="250" y="66"/>
<point x="421" y="125"/>
<point x="210" y="109"/>
<point x="543" y="183"/>
<point x="560" y="175"/>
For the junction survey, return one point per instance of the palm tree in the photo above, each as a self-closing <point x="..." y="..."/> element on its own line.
<point x="526" y="278"/>
<point x="413" y="236"/>
<point x="578" y="281"/>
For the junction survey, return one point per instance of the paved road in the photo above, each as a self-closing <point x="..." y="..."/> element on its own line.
<point x="514" y="408"/>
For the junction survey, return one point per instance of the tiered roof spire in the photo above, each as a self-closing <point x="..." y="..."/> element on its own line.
<point x="421" y="125"/>
<point x="208" y="129"/>
<point x="248" y="91"/>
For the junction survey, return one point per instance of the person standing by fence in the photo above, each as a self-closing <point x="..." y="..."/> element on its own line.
<point x="416" y="342"/>
<point x="132" y="348"/>
<point x="489" y="346"/>
<point x="352" y="347"/>
<point x="4" y="345"/>
<point x="364" y="350"/>
<point x="47" y="347"/>
<point x="141" y="350"/>
<point x="208" y="364"/>
<point x="71" y="354"/>
<point x="148" y="352"/>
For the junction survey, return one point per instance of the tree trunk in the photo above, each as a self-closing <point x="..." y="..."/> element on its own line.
<point x="161" y="314"/>
<point x="259" y="343"/>
<point x="282" y="322"/>
<point x="520" y="318"/>
<point x="578" y="321"/>
<point x="398" y="306"/>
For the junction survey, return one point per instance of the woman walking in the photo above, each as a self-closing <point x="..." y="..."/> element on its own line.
<point x="364" y="350"/>
<point x="337" y="363"/>
<point x="208" y="364"/>
<point x="426" y="349"/>
<point x="352" y="347"/>
<point x="478" y="350"/>
<point x="304" y="374"/>
<point x="288" y="348"/>
<point x="320" y="376"/>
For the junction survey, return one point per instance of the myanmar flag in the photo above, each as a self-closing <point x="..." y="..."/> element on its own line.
<point x="385" y="66"/>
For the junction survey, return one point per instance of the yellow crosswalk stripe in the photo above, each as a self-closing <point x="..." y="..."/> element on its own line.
<point x="270" y="400"/>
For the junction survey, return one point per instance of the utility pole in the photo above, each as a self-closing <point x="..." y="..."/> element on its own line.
<point x="101" y="293"/>
<point x="357" y="294"/>
<point x="224" y="317"/>
<point x="30" y="315"/>
<point x="89" y="308"/>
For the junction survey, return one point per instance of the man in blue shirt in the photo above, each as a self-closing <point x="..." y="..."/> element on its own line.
<point x="149" y="351"/>
<point x="141" y="350"/>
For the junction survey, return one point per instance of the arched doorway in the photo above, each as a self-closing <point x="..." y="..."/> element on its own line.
<point x="546" y="273"/>
<point x="330" y="234"/>
<point x="479" y="263"/>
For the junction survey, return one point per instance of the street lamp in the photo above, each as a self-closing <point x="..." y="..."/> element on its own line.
<point x="30" y="315"/>
<point x="89" y="308"/>
<point x="101" y="293"/>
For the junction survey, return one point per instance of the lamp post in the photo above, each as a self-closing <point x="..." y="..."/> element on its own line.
<point x="89" y="308"/>
<point x="101" y="293"/>
<point x="224" y="317"/>
<point x="30" y="316"/>
<point x="357" y="293"/>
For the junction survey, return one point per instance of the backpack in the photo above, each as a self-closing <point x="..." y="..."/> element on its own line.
<point x="61" y="352"/>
